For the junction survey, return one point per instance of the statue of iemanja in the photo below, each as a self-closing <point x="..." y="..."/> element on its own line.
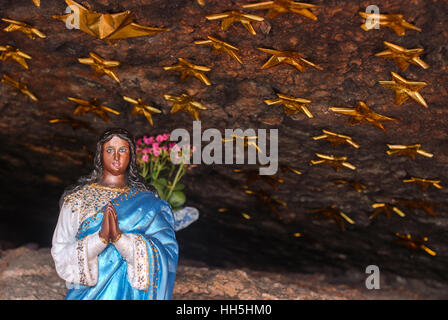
<point x="115" y="238"/>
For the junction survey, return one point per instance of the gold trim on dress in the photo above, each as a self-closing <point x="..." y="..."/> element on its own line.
<point x="99" y="186"/>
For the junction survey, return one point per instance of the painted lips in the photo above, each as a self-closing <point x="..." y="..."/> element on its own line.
<point x="116" y="164"/>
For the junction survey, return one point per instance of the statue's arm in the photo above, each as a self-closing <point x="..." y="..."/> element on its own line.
<point x="76" y="261"/>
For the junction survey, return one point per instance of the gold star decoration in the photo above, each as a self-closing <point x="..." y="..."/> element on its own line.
<point x="277" y="7"/>
<point x="10" y="53"/>
<point x="253" y="175"/>
<point x="230" y="17"/>
<point x="410" y="150"/>
<point x="30" y="31"/>
<point x="395" y="22"/>
<point x="75" y="123"/>
<point x="107" y="26"/>
<point x="36" y="3"/>
<point x="291" y="105"/>
<point x="185" y="103"/>
<point x="335" y="162"/>
<point x="188" y="69"/>
<point x="93" y="105"/>
<point x="415" y="244"/>
<point x="23" y="88"/>
<point x="336" y="139"/>
<point x="388" y="210"/>
<point x="428" y="207"/>
<point x="405" y="89"/>
<point x="141" y="108"/>
<point x="246" y="140"/>
<point x="424" y="184"/>
<point x="358" y="186"/>
<point x="403" y="57"/>
<point x="101" y="66"/>
<point x="292" y="58"/>
<point x="333" y="213"/>
<point x="286" y="169"/>
<point x="361" y="114"/>
<point x="268" y="200"/>
<point x="221" y="46"/>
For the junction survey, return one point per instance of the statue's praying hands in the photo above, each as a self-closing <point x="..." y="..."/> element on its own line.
<point x="110" y="231"/>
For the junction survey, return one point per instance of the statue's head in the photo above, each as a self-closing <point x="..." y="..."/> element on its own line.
<point x="115" y="153"/>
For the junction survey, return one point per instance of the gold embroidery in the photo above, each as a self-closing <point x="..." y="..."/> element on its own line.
<point x="91" y="198"/>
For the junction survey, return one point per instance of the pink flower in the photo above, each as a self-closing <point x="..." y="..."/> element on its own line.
<point x="139" y="141"/>
<point x="166" y="136"/>
<point x="147" y="140"/>
<point x="171" y="145"/>
<point x="160" y="138"/>
<point x="145" y="158"/>
<point x="139" y="150"/>
<point x="147" y="150"/>
<point x="156" y="152"/>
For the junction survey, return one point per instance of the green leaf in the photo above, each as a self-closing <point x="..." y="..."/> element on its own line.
<point x="179" y="187"/>
<point x="160" y="189"/>
<point x="177" y="199"/>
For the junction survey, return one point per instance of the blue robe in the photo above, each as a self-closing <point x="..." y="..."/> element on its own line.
<point x="152" y="220"/>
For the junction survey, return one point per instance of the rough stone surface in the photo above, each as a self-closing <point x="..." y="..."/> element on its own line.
<point x="38" y="159"/>
<point x="27" y="274"/>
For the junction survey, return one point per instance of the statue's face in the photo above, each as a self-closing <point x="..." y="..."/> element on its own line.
<point x="116" y="156"/>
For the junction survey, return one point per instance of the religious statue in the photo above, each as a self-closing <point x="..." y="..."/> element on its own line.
<point x="115" y="238"/>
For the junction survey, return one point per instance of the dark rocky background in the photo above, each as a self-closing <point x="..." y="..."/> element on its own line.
<point x="39" y="159"/>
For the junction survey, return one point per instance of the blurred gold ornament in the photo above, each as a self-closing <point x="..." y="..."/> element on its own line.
<point x="358" y="186"/>
<point x="336" y="139"/>
<point x="416" y="244"/>
<point x="201" y="2"/>
<point x="277" y="7"/>
<point x="428" y="207"/>
<point x="222" y="210"/>
<point x="297" y="234"/>
<point x="245" y="216"/>
<point x="101" y="66"/>
<point x="246" y="140"/>
<point x="388" y="210"/>
<point x="221" y="46"/>
<point x="10" y="53"/>
<point x="30" y="31"/>
<point x="335" y="162"/>
<point x="253" y="175"/>
<point x="333" y="213"/>
<point x="424" y="184"/>
<point x="36" y="3"/>
<point x="291" y="105"/>
<point x="185" y="103"/>
<point x="75" y="123"/>
<point x="292" y="58"/>
<point x="361" y="114"/>
<point x="230" y="17"/>
<point x="103" y="26"/>
<point x="410" y="150"/>
<point x="268" y="200"/>
<point x="403" y="57"/>
<point x="23" y="88"/>
<point x="141" y="108"/>
<point x="394" y="21"/>
<point x="188" y="69"/>
<point x="405" y="89"/>
<point x="285" y="169"/>
<point x="93" y="105"/>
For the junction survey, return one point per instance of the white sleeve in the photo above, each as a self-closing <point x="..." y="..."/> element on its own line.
<point x="76" y="261"/>
<point x="133" y="249"/>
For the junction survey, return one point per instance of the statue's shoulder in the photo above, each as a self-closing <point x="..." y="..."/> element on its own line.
<point x="75" y="198"/>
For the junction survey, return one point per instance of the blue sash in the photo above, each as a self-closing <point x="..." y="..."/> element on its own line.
<point x="152" y="219"/>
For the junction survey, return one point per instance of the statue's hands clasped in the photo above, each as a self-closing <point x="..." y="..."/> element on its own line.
<point x="110" y="231"/>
